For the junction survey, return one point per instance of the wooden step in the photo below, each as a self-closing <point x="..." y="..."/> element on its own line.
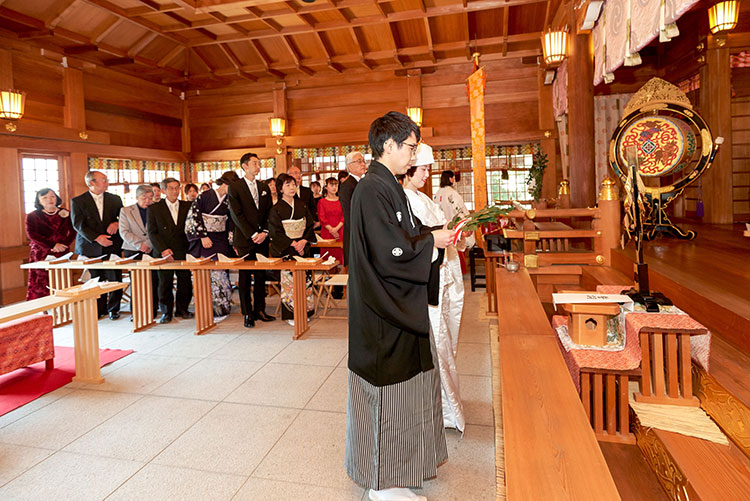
<point x="634" y="479"/>
<point x="692" y="468"/>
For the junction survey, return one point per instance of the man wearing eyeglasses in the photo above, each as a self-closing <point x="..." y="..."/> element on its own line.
<point x="394" y="426"/>
<point x="356" y="166"/>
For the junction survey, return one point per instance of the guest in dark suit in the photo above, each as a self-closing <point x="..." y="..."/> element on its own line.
<point x="135" y="241"/>
<point x="249" y="203"/>
<point x="355" y="164"/>
<point x="166" y="230"/>
<point x="95" y="216"/>
<point x="305" y="194"/>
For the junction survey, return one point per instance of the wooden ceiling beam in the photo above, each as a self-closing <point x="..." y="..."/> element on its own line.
<point x="361" y="21"/>
<point x="20" y="18"/>
<point x="385" y="67"/>
<point x="109" y="29"/>
<point x="267" y="21"/>
<point x="467" y="33"/>
<point x="176" y="50"/>
<point x="359" y="42"/>
<point x="428" y="34"/>
<point x="62" y="10"/>
<point x="329" y="53"/>
<point x="236" y="63"/>
<point x="394" y="34"/>
<point x="119" y="61"/>
<point x="141" y="44"/>
<point x="506" y="13"/>
<point x="264" y="59"/>
<point x="203" y="58"/>
<point x="149" y="25"/>
<point x="80" y="49"/>
<point x="289" y="43"/>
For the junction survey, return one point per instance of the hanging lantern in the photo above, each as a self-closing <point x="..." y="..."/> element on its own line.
<point x="278" y="126"/>
<point x="554" y="45"/>
<point x="723" y="16"/>
<point x="415" y="114"/>
<point x="12" y="104"/>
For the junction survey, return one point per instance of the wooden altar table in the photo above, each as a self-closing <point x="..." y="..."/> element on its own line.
<point x="85" y="324"/>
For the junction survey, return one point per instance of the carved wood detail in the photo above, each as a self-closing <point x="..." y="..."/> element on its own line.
<point x="728" y="411"/>
<point x="671" y="478"/>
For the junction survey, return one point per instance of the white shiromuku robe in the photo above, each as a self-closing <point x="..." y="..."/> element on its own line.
<point x="445" y="318"/>
<point x="452" y="203"/>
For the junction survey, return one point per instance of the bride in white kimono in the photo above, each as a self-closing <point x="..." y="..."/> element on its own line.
<point x="445" y="318"/>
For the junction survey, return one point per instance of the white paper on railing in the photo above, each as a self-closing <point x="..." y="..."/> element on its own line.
<point x="331" y="260"/>
<point x="224" y="259"/>
<point x="90" y="284"/>
<point x="51" y="257"/>
<point x="146" y="258"/>
<point x="261" y="258"/>
<point x="591" y="298"/>
<point x="306" y="259"/>
<point x="113" y="258"/>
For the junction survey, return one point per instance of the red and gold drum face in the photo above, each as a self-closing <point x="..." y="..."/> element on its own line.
<point x="663" y="144"/>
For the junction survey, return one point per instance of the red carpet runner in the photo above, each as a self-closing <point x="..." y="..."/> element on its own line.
<point x="22" y="386"/>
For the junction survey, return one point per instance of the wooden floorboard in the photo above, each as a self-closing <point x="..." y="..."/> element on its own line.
<point x="707" y="277"/>
<point x="730" y="368"/>
<point x="634" y="479"/>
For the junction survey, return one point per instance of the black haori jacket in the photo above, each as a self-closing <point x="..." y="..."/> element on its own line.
<point x="390" y="265"/>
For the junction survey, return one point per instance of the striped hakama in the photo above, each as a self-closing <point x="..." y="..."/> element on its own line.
<point x="394" y="434"/>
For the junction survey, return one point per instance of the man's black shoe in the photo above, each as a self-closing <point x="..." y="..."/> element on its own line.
<point x="263" y="317"/>
<point x="165" y="319"/>
<point x="249" y="321"/>
<point x="114" y="315"/>
<point x="185" y="314"/>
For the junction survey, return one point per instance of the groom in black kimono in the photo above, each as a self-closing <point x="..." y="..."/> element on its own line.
<point x="394" y="433"/>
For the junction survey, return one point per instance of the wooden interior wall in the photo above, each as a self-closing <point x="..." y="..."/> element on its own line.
<point x="741" y="144"/>
<point x="338" y="109"/>
<point x="124" y="118"/>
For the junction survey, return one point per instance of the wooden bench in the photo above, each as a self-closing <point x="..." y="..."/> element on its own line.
<point x="550" y="449"/>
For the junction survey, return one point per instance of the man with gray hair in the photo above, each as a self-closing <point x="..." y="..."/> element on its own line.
<point x="135" y="241"/>
<point x="94" y="215"/>
<point x="166" y="231"/>
<point x="355" y="164"/>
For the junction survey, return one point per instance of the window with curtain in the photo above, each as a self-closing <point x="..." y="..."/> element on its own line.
<point x="317" y="164"/>
<point x="125" y="175"/>
<point x="208" y="172"/>
<point x="507" y="168"/>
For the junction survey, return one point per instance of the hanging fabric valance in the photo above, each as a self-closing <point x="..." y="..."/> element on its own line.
<point x="329" y="151"/>
<point x="490" y="150"/>
<point x="99" y="163"/>
<point x="627" y="26"/>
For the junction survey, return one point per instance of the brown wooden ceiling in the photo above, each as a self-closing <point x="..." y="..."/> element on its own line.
<point x="197" y="43"/>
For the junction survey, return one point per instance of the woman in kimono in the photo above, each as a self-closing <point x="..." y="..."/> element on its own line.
<point x="445" y="317"/>
<point x="290" y="228"/>
<point x="50" y="233"/>
<point x="208" y="228"/>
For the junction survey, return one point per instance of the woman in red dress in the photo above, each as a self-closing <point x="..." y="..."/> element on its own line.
<point x="331" y="217"/>
<point x="50" y="232"/>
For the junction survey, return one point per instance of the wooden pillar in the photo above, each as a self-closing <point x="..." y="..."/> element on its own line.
<point x="414" y="90"/>
<point x="581" y="119"/>
<point x="548" y="144"/>
<point x="279" y="110"/>
<point x="185" y="140"/>
<point x="716" y="104"/>
<point x="74" y="113"/>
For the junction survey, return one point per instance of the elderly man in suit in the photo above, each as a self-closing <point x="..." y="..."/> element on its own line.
<point x="249" y="204"/>
<point x="166" y="231"/>
<point x="95" y="216"/>
<point x="135" y="241"/>
<point x="356" y="166"/>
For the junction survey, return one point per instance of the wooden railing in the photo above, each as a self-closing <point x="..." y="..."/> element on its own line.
<point x="545" y="240"/>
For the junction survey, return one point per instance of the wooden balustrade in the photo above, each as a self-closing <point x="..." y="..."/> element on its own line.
<point x="605" y="399"/>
